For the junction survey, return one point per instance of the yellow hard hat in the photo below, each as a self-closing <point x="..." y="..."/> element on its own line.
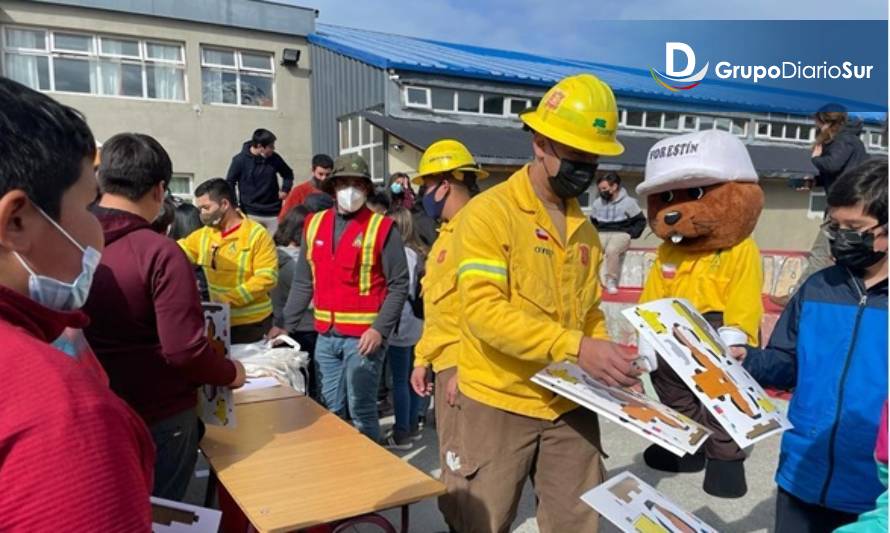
<point x="580" y="112"/>
<point x="447" y="155"/>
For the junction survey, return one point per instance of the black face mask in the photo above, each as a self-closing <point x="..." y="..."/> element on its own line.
<point x="606" y="195"/>
<point x="853" y="249"/>
<point x="573" y="177"/>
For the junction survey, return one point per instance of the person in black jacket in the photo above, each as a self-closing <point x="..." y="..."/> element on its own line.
<point x="254" y="173"/>
<point x="618" y="219"/>
<point x="837" y="149"/>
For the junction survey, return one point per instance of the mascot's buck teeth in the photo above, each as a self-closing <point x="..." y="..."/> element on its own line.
<point x="676" y="239"/>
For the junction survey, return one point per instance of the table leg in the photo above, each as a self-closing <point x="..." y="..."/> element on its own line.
<point x="212" y="483"/>
<point x="405" y="520"/>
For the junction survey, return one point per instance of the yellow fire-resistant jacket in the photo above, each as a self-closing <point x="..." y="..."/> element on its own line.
<point x="440" y="342"/>
<point x="728" y="281"/>
<point x="241" y="268"/>
<point x="526" y="299"/>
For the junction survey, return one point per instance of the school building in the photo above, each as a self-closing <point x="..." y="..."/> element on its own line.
<point x="201" y="76"/>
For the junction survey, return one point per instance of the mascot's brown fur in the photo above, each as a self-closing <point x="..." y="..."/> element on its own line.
<point x="707" y="218"/>
<point x="704" y="202"/>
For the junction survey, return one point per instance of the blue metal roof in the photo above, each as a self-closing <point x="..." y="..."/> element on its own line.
<point x="399" y="52"/>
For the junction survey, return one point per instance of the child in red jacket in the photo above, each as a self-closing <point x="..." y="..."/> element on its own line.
<point x="73" y="456"/>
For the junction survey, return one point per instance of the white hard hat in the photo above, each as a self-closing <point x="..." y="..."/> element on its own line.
<point x="696" y="159"/>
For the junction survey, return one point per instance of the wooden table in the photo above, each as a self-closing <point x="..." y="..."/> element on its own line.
<point x="291" y="464"/>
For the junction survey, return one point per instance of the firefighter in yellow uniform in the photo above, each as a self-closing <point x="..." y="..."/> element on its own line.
<point x="449" y="173"/>
<point x="238" y="258"/>
<point x="528" y="260"/>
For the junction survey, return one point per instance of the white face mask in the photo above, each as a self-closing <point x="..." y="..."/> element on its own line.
<point x="351" y="199"/>
<point x="60" y="295"/>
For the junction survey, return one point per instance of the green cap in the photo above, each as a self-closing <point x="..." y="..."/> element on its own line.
<point x="347" y="166"/>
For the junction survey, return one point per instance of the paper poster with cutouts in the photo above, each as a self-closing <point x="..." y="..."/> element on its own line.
<point x="635" y="507"/>
<point x="631" y="410"/>
<point x="169" y="516"/>
<point x="216" y="405"/>
<point x="694" y="350"/>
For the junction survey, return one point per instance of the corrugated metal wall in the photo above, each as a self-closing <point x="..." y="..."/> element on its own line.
<point x="340" y="85"/>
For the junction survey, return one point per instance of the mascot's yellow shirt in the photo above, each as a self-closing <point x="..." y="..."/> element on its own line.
<point x="441" y="305"/>
<point x="526" y="297"/>
<point x="726" y="281"/>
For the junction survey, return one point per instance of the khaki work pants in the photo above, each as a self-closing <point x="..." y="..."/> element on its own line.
<point x="495" y="451"/>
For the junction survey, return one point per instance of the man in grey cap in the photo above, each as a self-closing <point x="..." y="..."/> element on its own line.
<point x="352" y="266"/>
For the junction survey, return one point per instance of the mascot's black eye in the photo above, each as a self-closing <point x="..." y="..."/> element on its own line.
<point x="696" y="193"/>
<point x="667" y="197"/>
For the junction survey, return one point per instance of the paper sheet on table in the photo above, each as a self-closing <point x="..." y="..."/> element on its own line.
<point x="634" y="507"/>
<point x="216" y="405"/>
<point x="174" y="517"/>
<point x="694" y="350"/>
<point x="633" y="411"/>
<point x="260" y="383"/>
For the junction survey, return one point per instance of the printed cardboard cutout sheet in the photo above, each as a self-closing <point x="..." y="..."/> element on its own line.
<point x="694" y="350"/>
<point x="175" y="517"/>
<point x="636" y="412"/>
<point x="635" y="507"/>
<point x="216" y="405"/>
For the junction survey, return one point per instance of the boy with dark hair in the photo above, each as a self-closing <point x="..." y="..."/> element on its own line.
<point x="254" y="173"/>
<point x="147" y="325"/>
<point x="238" y="258"/>
<point x="322" y="165"/>
<point x="830" y="346"/>
<point x="75" y="457"/>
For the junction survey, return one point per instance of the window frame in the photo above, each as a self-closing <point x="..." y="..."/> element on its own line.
<point x="190" y="197"/>
<point x="95" y="59"/>
<point x="815" y="214"/>
<point x="782" y="138"/>
<point x="427" y="92"/>
<point x="363" y="144"/>
<point x="238" y="68"/>
<point x="508" y="101"/>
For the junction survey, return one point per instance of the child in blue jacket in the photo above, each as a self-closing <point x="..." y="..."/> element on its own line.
<point x="830" y="346"/>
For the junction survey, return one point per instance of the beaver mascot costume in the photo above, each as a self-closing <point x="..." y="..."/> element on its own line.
<point x="703" y="202"/>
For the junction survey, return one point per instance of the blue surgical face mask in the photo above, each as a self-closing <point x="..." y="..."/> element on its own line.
<point x="432" y="206"/>
<point x="396" y="188"/>
<point x="60" y="295"/>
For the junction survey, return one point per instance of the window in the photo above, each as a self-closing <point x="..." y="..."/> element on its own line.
<point x="784" y="131"/>
<point x="94" y="64"/>
<point x="465" y="102"/>
<point x="634" y="118"/>
<point x="443" y="99"/>
<point x="690" y="122"/>
<point x="493" y="105"/>
<point x="468" y="101"/>
<point x="876" y="140"/>
<point x="237" y="77"/>
<point x="181" y="186"/>
<point x="518" y="105"/>
<point x="671" y="121"/>
<point x="818" y="204"/>
<point x="417" y="97"/>
<point x="358" y="136"/>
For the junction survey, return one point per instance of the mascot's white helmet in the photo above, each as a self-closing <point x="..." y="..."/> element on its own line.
<point x="698" y="159"/>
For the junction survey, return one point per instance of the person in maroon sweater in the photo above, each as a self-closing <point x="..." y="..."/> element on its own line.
<point x="73" y="456"/>
<point x="147" y="326"/>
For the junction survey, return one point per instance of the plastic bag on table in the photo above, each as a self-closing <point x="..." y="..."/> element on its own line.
<point x="287" y="363"/>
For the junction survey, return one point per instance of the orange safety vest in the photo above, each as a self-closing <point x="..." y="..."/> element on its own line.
<point x="349" y="283"/>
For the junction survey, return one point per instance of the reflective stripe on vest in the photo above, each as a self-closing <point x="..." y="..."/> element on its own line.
<point x="311" y="232"/>
<point x="370" y="242"/>
<point x="355" y="319"/>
